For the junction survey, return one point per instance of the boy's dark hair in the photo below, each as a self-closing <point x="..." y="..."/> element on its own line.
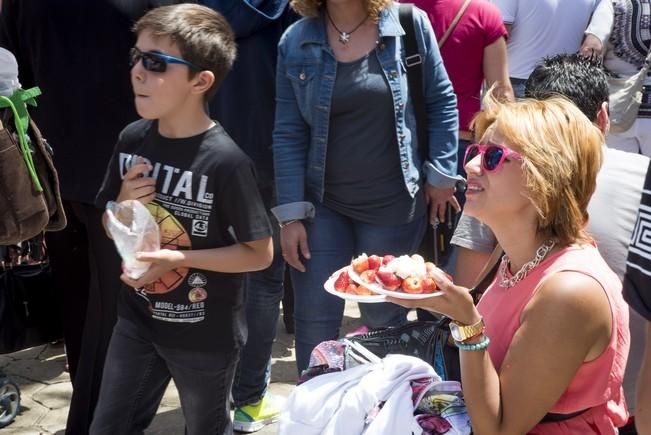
<point x="582" y="80"/>
<point x="202" y="35"/>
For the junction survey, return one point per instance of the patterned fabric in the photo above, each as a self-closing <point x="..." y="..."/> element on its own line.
<point x="631" y="35"/>
<point x="637" y="281"/>
<point x="441" y="410"/>
<point x="327" y="357"/>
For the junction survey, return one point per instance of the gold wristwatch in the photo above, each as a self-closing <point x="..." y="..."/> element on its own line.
<point x="465" y="332"/>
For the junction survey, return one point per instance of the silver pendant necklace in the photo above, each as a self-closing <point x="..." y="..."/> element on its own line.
<point x="344" y="37"/>
<point x="508" y="281"/>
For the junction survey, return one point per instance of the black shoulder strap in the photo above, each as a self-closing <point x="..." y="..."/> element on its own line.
<point x="413" y="61"/>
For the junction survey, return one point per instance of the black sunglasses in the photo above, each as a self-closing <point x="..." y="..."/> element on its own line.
<point x="155" y="62"/>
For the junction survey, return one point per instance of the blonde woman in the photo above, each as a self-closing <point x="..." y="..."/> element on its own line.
<point x="544" y="351"/>
<point x="348" y="174"/>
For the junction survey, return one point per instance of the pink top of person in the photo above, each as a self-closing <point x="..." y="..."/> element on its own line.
<point x="597" y="385"/>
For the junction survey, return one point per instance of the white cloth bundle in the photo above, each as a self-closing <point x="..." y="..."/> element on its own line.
<point x="338" y="403"/>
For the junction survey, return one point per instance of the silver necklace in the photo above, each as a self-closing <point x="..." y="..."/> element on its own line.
<point x="508" y="281"/>
<point x="344" y="37"/>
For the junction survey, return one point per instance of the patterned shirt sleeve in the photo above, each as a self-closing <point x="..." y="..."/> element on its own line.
<point x="637" y="281"/>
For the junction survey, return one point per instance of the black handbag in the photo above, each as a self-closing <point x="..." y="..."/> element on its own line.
<point x="435" y="244"/>
<point x="29" y="306"/>
<point x="426" y="340"/>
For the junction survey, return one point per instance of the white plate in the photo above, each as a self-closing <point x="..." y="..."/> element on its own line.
<point x="329" y="286"/>
<point x="377" y="288"/>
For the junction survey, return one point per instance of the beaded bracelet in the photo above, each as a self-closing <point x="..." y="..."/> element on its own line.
<point x="476" y="346"/>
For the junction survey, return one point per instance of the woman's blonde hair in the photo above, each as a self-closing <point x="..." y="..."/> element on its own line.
<point x="312" y="8"/>
<point x="562" y="153"/>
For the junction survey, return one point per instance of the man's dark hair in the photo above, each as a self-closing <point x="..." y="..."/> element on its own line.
<point x="578" y="78"/>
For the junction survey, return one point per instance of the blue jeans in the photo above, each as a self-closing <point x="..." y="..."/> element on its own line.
<point x="264" y="291"/>
<point x="137" y="372"/>
<point x="333" y="240"/>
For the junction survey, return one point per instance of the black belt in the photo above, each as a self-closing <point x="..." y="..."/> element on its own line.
<point x="553" y="418"/>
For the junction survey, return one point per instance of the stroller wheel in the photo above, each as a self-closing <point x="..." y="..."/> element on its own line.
<point x="9" y="401"/>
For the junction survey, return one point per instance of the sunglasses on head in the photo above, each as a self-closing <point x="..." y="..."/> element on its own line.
<point x="492" y="156"/>
<point x="155" y="62"/>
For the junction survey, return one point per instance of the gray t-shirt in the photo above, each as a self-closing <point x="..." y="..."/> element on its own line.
<point x="363" y="179"/>
<point x="474" y="235"/>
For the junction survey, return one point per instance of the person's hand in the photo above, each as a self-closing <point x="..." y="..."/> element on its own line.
<point x="136" y="186"/>
<point x="293" y="238"/>
<point x="592" y="46"/>
<point x="162" y="261"/>
<point x="437" y="198"/>
<point x="455" y="302"/>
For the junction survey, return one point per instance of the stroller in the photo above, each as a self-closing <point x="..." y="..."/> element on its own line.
<point x="27" y="311"/>
<point x="9" y="399"/>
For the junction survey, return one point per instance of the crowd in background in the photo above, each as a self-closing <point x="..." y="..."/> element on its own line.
<point x="346" y="160"/>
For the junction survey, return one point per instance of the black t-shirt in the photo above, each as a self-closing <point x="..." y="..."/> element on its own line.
<point x="637" y="281"/>
<point x="206" y="197"/>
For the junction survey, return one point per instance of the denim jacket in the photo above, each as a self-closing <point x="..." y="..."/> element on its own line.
<point x="305" y="79"/>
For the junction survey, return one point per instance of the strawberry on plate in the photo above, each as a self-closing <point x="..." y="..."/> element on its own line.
<point x="387" y="259"/>
<point x="360" y="264"/>
<point x="368" y="276"/>
<point x="351" y="288"/>
<point x="374" y="262"/>
<point x="406" y="276"/>
<point x="363" y="291"/>
<point x="429" y="285"/>
<point x="388" y="279"/>
<point x="342" y="282"/>
<point x="412" y="284"/>
<point x="347" y="284"/>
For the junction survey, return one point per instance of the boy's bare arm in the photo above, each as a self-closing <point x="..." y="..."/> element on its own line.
<point x="238" y="258"/>
<point x="242" y="257"/>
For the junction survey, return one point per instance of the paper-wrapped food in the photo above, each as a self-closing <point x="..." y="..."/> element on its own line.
<point x="133" y="230"/>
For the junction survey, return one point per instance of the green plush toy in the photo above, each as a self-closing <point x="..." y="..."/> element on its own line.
<point x="18" y="102"/>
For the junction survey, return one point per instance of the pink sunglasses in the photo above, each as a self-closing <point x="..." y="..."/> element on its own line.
<point x="492" y="155"/>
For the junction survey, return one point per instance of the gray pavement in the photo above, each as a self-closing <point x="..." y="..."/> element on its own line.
<point x="46" y="389"/>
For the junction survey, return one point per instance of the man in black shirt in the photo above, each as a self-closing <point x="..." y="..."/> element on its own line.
<point x="637" y="292"/>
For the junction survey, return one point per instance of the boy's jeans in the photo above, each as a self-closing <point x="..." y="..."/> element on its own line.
<point x="333" y="240"/>
<point x="137" y="372"/>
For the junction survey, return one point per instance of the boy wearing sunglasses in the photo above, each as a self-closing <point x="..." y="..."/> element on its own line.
<point x="184" y="318"/>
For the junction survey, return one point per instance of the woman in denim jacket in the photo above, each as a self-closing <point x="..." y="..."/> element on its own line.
<point x="348" y="173"/>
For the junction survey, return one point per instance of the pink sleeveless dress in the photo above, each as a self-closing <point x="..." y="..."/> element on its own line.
<point x="597" y="384"/>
